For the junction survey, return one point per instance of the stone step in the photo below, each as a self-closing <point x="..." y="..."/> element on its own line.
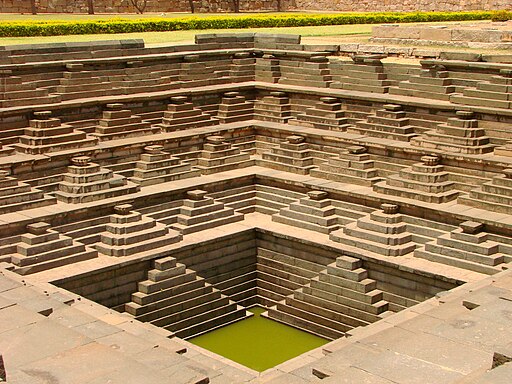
<point x="196" y="313"/>
<point x="368" y="224"/>
<point x="286" y="217"/>
<point x="487" y="259"/>
<point x="331" y="302"/>
<point x="154" y="315"/>
<point x="283" y="269"/>
<point x="54" y="263"/>
<point x="365" y="299"/>
<point x="291" y="260"/>
<point x="363" y="286"/>
<point x="308" y="326"/>
<point x="187" y="284"/>
<point x="347" y="175"/>
<point x="276" y="278"/>
<point x="153" y="244"/>
<point x="224" y="319"/>
<point x="149" y="286"/>
<point x="455" y="262"/>
<point x="436" y="198"/>
<point x="56" y="250"/>
<point x="209" y="223"/>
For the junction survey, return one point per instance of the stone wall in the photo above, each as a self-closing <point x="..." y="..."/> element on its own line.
<point x="125" y="6"/>
<point x="396" y="5"/>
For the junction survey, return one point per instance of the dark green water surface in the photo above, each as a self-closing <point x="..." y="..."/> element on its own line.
<point x="257" y="342"/>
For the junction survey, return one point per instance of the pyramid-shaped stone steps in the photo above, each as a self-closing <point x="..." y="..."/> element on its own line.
<point x="41" y="249"/>
<point x="200" y="212"/>
<point x="325" y="114"/>
<point x="86" y="232"/>
<point x="365" y="74"/>
<point x="156" y="166"/>
<point x="275" y="107"/>
<point x="16" y="196"/>
<point x="383" y="232"/>
<point x="466" y="247"/>
<point x="129" y="233"/>
<point x="173" y="297"/>
<point x="234" y="107"/>
<point x="311" y="73"/>
<point x="165" y="213"/>
<point x="292" y="155"/>
<point x="218" y="156"/>
<point x="353" y="165"/>
<point x="182" y="114"/>
<point x="495" y="195"/>
<point x="314" y="212"/>
<point x="432" y="83"/>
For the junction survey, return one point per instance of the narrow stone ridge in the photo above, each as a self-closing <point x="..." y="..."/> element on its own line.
<point x="17" y="196"/>
<point x="382" y="232"/>
<point x="467" y="247"/>
<point x="426" y="181"/>
<point x="353" y="165"/>
<point x="129" y="232"/>
<point x="337" y="300"/>
<point x="314" y="212"/>
<point x="218" y="155"/>
<point x="175" y="298"/>
<point x="119" y="123"/>
<point x="460" y="135"/>
<point x="199" y="212"/>
<point x="41" y="249"/>
<point x="86" y="181"/>
<point x="182" y="114"/>
<point x="325" y="114"/>
<point x="157" y="166"/>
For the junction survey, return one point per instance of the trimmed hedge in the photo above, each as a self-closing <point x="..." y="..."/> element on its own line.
<point x="54" y="28"/>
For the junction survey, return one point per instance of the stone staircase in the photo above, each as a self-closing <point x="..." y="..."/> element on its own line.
<point x="337" y="300"/>
<point x="325" y="114"/>
<point x="234" y="107"/>
<point x="242" y="67"/>
<point x="17" y="196"/>
<point x="496" y="93"/>
<point x="382" y="232"/>
<point x="387" y="123"/>
<point x="176" y="299"/>
<point x="157" y="166"/>
<point x="199" y="212"/>
<point x="15" y="93"/>
<point x="292" y="155"/>
<point x="86" y="181"/>
<point x="495" y="196"/>
<point x="182" y="114"/>
<point x="267" y="69"/>
<point x="128" y="233"/>
<point x="218" y="155"/>
<point x="119" y="123"/>
<point x="459" y="135"/>
<point x="467" y="247"/>
<point x="41" y="249"/>
<point x="426" y="181"/>
<point x="275" y="107"/>
<point x="314" y="72"/>
<point x="432" y="83"/>
<point x="365" y="74"/>
<point x="198" y="70"/>
<point x="47" y="134"/>
<point x="353" y="165"/>
<point x="314" y="212"/>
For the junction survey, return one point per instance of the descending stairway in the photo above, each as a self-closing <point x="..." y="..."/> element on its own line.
<point x="175" y="298"/>
<point x="340" y="298"/>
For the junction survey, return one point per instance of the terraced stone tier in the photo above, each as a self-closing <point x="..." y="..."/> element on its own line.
<point x="314" y="72"/>
<point x="267" y="69"/>
<point x="275" y="107"/>
<point x="364" y="74"/>
<point x="219" y="155"/>
<point x="496" y="93"/>
<point x="182" y="114"/>
<point x="292" y="155"/>
<point x="234" y="107"/>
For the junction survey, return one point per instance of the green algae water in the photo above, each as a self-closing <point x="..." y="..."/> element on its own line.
<point x="257" y="342"/>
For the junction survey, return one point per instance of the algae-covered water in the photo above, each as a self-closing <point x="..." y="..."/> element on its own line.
<point x="257" y="342"/>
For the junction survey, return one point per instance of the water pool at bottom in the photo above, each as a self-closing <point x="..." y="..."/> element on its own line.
<point x="257" y="342"/>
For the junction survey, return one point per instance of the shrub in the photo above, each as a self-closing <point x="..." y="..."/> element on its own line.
<point x="502" y="16"/>
<point x="53" y="28"/>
